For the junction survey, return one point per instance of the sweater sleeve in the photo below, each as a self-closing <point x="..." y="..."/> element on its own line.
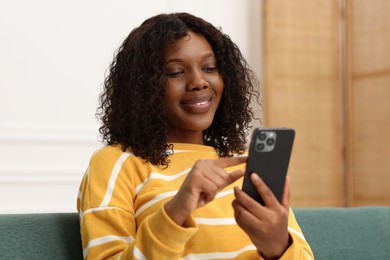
<point x="107" y="223"/>
<point x="299" y="249"/>
<point x="160" y="238"/>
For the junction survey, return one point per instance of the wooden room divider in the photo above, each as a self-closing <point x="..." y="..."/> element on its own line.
<point x="327" y="74"/>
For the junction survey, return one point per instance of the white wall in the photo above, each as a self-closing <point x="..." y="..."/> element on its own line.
<point x="53" y="56"/>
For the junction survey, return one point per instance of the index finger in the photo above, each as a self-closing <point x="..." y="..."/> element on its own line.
<point x="230" y="161"/>
<point x="264" y="191"/>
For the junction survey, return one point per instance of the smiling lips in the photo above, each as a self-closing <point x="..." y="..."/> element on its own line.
<point x="197" y="104"/>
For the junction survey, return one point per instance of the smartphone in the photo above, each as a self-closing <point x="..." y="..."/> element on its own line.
<point x="269" y="155"/>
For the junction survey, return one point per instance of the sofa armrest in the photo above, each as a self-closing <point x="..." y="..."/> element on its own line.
<point x="40" y="236"/>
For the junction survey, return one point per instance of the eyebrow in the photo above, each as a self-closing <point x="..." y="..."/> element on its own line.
<point x="205" y="56"/>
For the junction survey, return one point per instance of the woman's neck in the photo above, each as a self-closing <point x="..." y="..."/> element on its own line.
<point x="189" y="137"/>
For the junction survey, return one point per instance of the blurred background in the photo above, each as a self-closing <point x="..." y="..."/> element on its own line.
<point x="324" y="68"/>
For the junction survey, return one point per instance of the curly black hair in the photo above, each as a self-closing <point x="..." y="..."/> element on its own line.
<point x="132" y="107"/>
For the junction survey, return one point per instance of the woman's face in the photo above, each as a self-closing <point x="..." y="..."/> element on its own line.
<point x="194" y="88"/>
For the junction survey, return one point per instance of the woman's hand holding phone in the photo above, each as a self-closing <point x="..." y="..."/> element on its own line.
<point x="266" y="225"/>
<point x="262" y="206"/>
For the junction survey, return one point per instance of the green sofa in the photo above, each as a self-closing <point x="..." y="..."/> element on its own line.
<point x="333" y="233"/>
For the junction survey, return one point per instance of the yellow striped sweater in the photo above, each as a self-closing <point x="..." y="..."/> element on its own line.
<point x="121" y="200"/>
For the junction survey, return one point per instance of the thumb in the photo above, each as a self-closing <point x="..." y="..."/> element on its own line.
<point x="235" y="175"/>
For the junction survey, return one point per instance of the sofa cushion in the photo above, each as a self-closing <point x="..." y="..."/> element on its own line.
<point x="347" y="233"/>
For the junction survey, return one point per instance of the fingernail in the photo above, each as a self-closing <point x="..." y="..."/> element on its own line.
<point x="255" y="177"/>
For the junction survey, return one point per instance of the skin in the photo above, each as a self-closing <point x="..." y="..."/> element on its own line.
<point x="194" y="91"/>
<point x="265" y="225"/>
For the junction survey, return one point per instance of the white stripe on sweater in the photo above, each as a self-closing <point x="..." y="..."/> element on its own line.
<point x="300" y="235"/>
<point x="215" y="221"/>
<point x="154" y="200"/>
<point x="82" y="213"/>
<point x="156" y="175"/>
<point x="104" y="240"/>
<point x="138" y="254"/>
<point x="296" y="232"/>
<point x="219" y="255"/>
<point x="112" y="181"/>
<point x="224" y="193"/>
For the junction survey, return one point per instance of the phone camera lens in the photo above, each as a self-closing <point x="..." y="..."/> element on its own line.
<point x="270" y="141"/>
<point x="262" y="136"/>
<point x="260" y="147"/>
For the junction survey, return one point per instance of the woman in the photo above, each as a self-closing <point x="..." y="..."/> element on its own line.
<point x="175" y="113"/>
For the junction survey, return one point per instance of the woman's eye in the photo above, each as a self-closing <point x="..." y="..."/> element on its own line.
<point x="210" y="69"/>
<point x="174" y="74"/>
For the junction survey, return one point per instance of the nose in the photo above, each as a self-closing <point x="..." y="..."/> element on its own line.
<point x="197" y="81"/>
